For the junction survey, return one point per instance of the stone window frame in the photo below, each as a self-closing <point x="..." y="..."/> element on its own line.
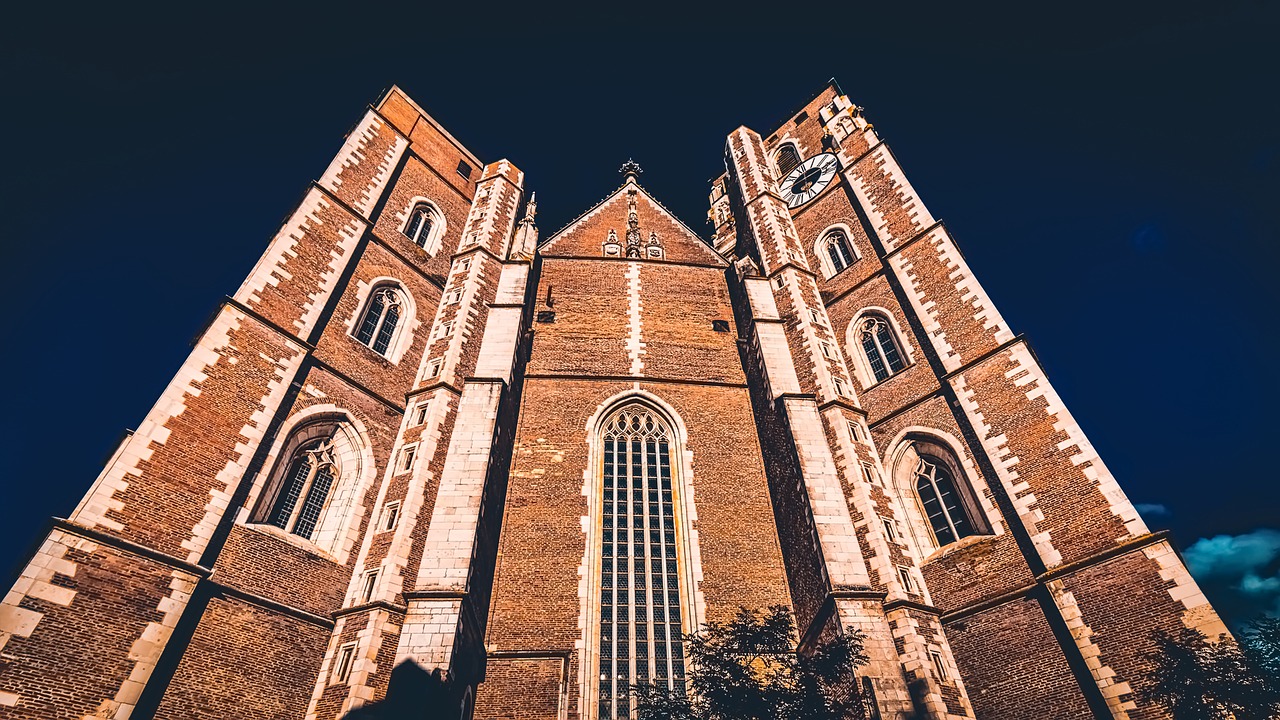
<point x="389" y="520"/>
<point x="431" y="244"/>
<point x="900" y="464"/>
<point x="344" y="660"/>
<point x="824" y="258"/>
<point x="337" y="532"/>
<point x="777" y="156"/>
<point x="406" y="326"/>
<point x="858" y="357"/>
<point x="693" y="605"/>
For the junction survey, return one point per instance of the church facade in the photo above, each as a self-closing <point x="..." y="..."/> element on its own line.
<point x="420" y="433"/>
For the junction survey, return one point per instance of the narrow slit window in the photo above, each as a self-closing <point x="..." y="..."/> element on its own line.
<point x="390" y="515"/>
<point x="904" y="575"/>
<point x="342" y="665"/>
<point x="370" y="586"/>
<point x="939" y="666"/>
<point x="420" y="414"/>
<point x="406" y="458"/>
<point x="433" y="367"/>
<point x="890" y="529"/>
<point x="855" y="431"/>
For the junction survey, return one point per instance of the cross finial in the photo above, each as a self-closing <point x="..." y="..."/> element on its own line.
<point x="630" y="169"/>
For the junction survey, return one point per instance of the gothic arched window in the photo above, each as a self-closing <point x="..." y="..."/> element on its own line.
<point x="381" y="318"/>
<point x="942" y="504"/>
<point x="787" y="159"/>
<point x="310" y="476"/>
<point x="836" y="244"/>
<point x="424" y="226"/>
<point x="879" y="347"/>
<point x="640" y="601"/>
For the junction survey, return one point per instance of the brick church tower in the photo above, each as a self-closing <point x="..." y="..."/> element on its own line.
<point x="418" y="437"/>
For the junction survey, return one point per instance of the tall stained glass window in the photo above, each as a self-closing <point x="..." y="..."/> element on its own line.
<point x="640" y="610"/>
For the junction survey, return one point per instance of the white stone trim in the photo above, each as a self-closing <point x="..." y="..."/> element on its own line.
<point x="353" y="152"/>
<point x="1105" y="677"/>
<point x="694" y="610"/>
<point x="271" y="267"/>
<point x="1004" y="461"/>
<point x="635" y="306"/>
<point x="1197" y="613"/>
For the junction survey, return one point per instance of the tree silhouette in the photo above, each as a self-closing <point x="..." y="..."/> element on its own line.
<point x="748" y="669"/>
<point x="1195" y="679"/>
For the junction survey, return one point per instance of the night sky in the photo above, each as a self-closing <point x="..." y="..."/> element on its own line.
<point x="1110" y="175"/>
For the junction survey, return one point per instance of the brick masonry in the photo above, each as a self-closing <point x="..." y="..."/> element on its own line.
<point x="462" y="521"/>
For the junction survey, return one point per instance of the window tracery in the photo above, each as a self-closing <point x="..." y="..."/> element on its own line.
<point x="879" y="347"/>
<point x="381" y="319"/>
<point x="838" y="250"/>
<point x="640" y="601"/>
<point x="311" y="475"/>
<point x="424" y="226"/>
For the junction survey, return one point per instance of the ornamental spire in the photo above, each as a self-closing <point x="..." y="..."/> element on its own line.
<point x="630" y="170"/>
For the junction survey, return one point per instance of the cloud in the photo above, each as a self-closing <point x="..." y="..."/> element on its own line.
<point x="1239" y="573"/>
<point x="1153" y="509"/>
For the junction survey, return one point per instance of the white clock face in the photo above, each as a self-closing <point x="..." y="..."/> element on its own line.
<point x="808" y="179"/>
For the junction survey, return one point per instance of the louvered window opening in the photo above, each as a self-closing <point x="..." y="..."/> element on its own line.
<point x="881" y="350"/>
<point x="942" y="504"/>
<point x="380" y="319"/>
<point x="640" y="615"/>
<point x="788" y="159"/>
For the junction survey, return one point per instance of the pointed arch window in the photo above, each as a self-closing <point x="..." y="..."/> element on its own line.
<point x="880" y="347"/>
<point x="424" y="226"/>
<point x="838" y="250"/>
<point x="941" y="501"/>
<point x="787" y="159"/>
<point x="310" y="477"/>
<point x="381" y="319"/>
<point x="640" y="599"/>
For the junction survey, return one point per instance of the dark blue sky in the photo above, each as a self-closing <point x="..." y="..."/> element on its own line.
<point x="1109" y="173"/>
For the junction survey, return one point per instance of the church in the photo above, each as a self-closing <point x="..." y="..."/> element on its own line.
<point x="424" y="433"/>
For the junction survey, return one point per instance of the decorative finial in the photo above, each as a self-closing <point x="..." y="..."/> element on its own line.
<point x="531" y="207"/>
<point x="630" y="169"/>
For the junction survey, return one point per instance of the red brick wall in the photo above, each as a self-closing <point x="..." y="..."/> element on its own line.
<point x="79" y="654"/>
<point x="520" y="689"/>
<point x="245" y="662"/>
<point x="1012" y="665"/>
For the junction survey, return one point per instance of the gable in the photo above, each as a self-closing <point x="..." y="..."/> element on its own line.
<point x="586" y="236"/>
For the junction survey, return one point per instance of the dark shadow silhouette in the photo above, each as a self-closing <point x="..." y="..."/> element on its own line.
<point x="414" y="694"/>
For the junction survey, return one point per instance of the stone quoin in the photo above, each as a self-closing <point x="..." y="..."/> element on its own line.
<point x="418" y="433"/>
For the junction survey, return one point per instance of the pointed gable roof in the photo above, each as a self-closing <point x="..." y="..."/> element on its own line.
<point x="587" y="234"/>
